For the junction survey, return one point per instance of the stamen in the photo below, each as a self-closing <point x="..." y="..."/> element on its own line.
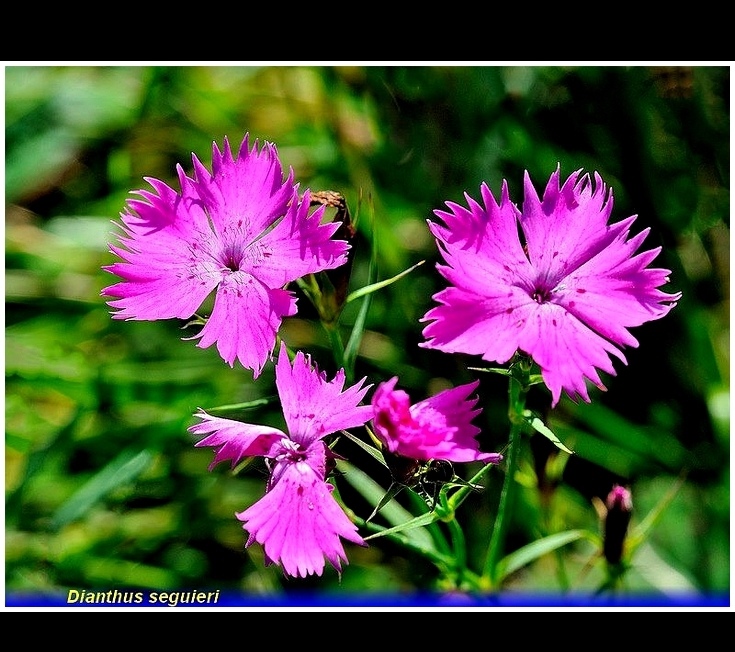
<point x="541" y="295"/>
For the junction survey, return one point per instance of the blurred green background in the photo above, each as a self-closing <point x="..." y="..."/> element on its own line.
<point x="103" y="486"/>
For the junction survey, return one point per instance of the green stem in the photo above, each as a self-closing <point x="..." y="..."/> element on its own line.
<point x="458" y="544"/>
<point x="497" y="539"/>
<point x="437" y="536"/>
<point x="517" y="391"/>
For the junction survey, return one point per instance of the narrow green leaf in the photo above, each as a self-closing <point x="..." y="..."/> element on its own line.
<point x="248" y="405"/>
<point x="533" y="379"/>
<point x="539" y="426"/>
<point x="651" y="569"/>
<point x="401" y="519"/>
<point x="536" y="549"/>
<point x="392" y="492"/>
<point x="459" y="496"/>
<point x="370" y="450"/>
<point x="242" y="466"/>
<point x="492" y="370"/>
<point x="640" y="533"/>
<point x="368" y="289"/>
<point x="353" y="343"/>
<point x="124" y="468"/>
<point x="418" y="521"/>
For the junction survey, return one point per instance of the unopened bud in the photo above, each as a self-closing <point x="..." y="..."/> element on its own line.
<point x="619" y="505"/>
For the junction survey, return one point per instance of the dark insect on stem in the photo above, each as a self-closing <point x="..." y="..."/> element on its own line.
<point x="426" y="478"/>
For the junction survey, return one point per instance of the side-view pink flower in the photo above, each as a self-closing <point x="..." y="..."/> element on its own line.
<point x="298" y="521"/>
<point x="437" y="428"/>
<point x="554" y="281"/>
<point x="240" y="230"/>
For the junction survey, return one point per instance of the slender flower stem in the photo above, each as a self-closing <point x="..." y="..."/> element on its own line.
<point x="459" y="545"/>
<point x="328" y="316"/>
<point x="500" y="528"/>
<point x="437" y="536"/>
<point x="517" y="391"/>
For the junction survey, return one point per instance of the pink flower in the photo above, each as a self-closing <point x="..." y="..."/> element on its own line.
<point x="437" y="428"/>
<point x="554" y="281"/>
<point x="240" y="231"/>
<point x="298" y="521"/>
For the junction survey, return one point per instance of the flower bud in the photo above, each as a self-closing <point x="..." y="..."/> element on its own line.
<point x="619" y="505"/>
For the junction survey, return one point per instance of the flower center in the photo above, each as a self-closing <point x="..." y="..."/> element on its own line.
<point x="541" y="295"/>
<point x="290" y="452"/>
<point x="231" y="261"/>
